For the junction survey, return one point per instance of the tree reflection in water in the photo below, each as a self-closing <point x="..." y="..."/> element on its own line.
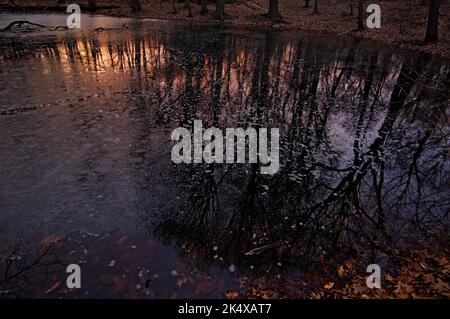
<point x="364" y="151"/>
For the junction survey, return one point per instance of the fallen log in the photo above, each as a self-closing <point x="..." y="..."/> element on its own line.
<point x="10" y="3"/>
<point x="20" y="23"/>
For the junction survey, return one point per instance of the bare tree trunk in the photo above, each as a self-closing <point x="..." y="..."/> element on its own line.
<point x="273" y="13"/>
<point x="135" y="5"/>
<point x="316" y="7"/>
<point x="351" y="8"/>
<point x="174" y="8"/>
<point x="360" y="15"/>
<point x="433" y="22"/>
<point x="187" y="5"/>
<point x="306" y="4"/>
<point x="91" y="5"/>
<point x="220" y="10"/>
<point x="204" y="8"/>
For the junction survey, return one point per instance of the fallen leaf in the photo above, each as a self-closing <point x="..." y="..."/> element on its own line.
<point x="55" y="285"/>
<point x="50" y="240"/>
<point x="232" y="294"/>
<point x="181" y="282"/>
<point x="122" y="240"/>
<point x="329" y="285"/>
<point x="341" y="271"/>
<point x="389" y="278"/>
<point x="119" y="282"/>
<point x="442" y="261"/>
<point x="106" y="279"/>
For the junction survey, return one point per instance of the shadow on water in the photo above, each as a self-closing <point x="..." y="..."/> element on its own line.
<point x="364" y="150"/>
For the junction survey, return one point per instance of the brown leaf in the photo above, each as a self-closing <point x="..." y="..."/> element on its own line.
<point x="232" y="294"/>
<point x="341" y="271"/>
<point x="389" y="278"/>
<point x="122" y="240"/>
<point x="107" y="279"/>
<point x="55" y="285"/>
<point x="181" y="282"/>
<point x="329" y="285"/>
<point x="50" y="240"/>
<point x="442" y="261"/>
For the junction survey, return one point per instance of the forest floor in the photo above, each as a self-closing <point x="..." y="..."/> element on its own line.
<point x="403" y="22"/>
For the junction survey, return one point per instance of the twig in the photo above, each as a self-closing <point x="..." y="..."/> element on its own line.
<point x="253" y="6"/>
<point x="61" y="27"/>
<point x="348" y="31"/>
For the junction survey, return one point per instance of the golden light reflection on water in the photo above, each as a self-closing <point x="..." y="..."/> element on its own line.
<point x="239" y="72"/>
<point x="110" y="54"/>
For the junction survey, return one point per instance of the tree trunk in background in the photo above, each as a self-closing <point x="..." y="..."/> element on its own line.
<point x="187" y="5"/>
<point x="91" y="5"/>
<point x="204" y="8"/>
<point x="351" y="8"/>
<point x="433" y="22"/>
<point x="316" y="7"/>
<point x="174" y="8"/>
<point x="360" y="15"/>
<point x="135" y="5"/>
<point x="220" y="10"/>
<point x="274" y="13"/>
<point x="306" y="4"/>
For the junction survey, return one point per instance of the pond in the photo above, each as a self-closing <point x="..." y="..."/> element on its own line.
<point x="86" y="174"/>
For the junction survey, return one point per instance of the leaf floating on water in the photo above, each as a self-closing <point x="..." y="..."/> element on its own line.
<point x="106" y="279"/>
<point x="50" y="240"/>
<point x="122" y="240"/>
<point x="55" y="285"/>
<point x="120" y="282"/>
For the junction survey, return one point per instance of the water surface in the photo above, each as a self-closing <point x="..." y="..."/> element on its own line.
<point x="85" y="122"/>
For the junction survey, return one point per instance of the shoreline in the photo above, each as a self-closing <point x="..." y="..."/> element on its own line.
<point x="341" y="25"/>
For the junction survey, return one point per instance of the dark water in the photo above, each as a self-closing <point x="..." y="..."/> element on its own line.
<point x="85" y="124"/>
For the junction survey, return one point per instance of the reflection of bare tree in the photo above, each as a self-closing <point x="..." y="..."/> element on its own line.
<point x="321" y="199"/>
<point x="364" y="136"/>
<point x="16" y="268"/>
